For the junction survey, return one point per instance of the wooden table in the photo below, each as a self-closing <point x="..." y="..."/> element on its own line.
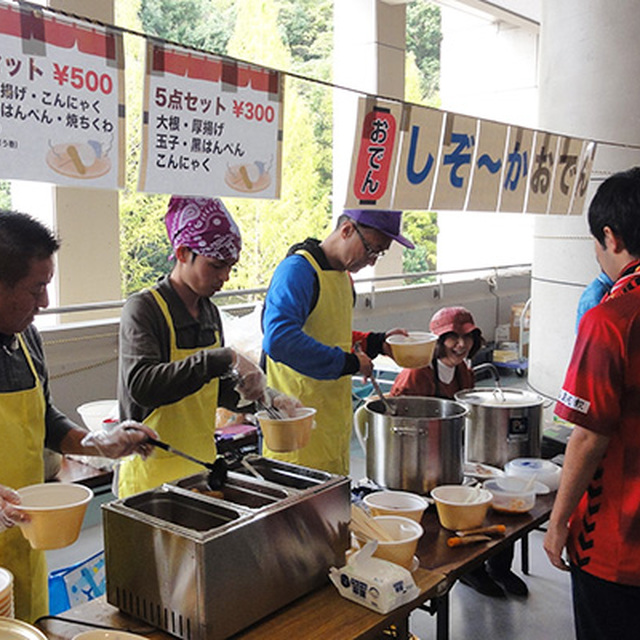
<point x="321" y="614"/>
<point x="434" y="553"/>
<point x="325" y="614"/>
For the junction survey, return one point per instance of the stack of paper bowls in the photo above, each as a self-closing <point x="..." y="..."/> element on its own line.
<point x="6" y="593"/>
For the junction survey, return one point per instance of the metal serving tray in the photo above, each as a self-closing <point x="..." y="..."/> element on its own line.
<point x="204" y="568"/>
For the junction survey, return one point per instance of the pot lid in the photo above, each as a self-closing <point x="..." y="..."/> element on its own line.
<point x="498" y="397"/>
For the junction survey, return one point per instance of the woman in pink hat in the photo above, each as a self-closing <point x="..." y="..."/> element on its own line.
<point x="449" y="372"/>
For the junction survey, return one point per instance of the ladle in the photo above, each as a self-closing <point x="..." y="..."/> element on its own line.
<point x="388" y="407"/>
<point x="217" y="469"/>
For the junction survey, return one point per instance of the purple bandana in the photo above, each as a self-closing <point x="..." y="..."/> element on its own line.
<point x="205" y="226"/>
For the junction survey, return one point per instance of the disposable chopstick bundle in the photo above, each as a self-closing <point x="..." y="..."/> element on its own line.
<point x="367" y="527"/>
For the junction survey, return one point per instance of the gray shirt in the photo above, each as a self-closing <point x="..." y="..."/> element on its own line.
<point x="16" y="375"/>
<point x="147" y="379"/>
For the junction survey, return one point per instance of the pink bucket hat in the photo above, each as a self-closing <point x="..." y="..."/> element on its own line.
<point x="205" y="226"/>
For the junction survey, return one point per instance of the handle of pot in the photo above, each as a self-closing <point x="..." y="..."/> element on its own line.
<point x="361" y="426"/>
<point x="409" y="431"/>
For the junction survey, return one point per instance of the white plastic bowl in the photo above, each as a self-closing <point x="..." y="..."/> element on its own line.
<point x="405" y="534"/>
<point x="511" y="494"/>
<point x="56" y="510"/>
<point x="396" y="503"/>
<point x="94" y="413"/>
<point x="544" y="471"/>
<point x="461" y="507"/>
<point x="413" y="351"/>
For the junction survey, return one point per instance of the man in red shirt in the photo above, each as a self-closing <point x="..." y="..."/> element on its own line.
<point x="597" y="510"/>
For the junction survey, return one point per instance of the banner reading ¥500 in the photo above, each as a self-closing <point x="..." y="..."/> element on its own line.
<point x="62" y="100"/>
<point x="212" y="126"/>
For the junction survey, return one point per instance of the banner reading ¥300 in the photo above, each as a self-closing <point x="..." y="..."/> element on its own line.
<point x="212" y="126"/>
<point x="62" y="100"/>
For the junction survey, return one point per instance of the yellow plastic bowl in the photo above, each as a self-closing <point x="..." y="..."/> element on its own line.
<point x="413" y="351"/>
<point x="287" y="434"/>
<point x="461" y="507"/>
<point x="396" y="503"/>
<point x="56" y="510"/>
<point x="405" y="534"/>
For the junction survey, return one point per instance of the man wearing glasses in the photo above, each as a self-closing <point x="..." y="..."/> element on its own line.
<point x="308" y="340"/>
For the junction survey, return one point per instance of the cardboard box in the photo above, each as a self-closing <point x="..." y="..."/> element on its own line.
<point x="505" y="355"/>
<point x="514" y="325"/>
<point x="502" y="333"/>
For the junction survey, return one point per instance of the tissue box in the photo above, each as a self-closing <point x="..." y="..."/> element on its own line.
<point x="374" y="583"/>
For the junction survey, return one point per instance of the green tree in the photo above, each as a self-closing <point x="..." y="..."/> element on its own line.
<point x="422" y="228"/>
<point x="269" y="227"/>
<point x="424" y="35"/>
<point x="5" y="194"/>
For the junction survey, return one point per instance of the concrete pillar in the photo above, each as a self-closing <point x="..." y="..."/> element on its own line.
<point x="589" y="87"/>
<point x="369" y="55"/>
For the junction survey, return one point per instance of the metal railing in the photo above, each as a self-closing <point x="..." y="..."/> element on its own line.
<point x="257" y="293"/>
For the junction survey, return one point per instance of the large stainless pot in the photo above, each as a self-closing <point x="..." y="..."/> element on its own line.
<point x="416" y="449"/>
<point x="502" y="424"/>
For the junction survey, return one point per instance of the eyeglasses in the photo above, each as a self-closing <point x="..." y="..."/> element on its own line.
<point x="371" y="252"/>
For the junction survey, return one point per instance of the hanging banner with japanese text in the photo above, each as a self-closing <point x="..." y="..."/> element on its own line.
<point x="373" y="168"/>
<point x="422" y="130"/>
<point x="488" y="167"/>
<point x="212" y="126"/>
<point x="516" y="174"/>
<point x="62" y="100"/>
<point x="458" y="144"/>
<point x="407" y="157"/>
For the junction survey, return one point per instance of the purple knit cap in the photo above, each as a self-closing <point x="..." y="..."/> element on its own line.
<point x="205" y="226"/>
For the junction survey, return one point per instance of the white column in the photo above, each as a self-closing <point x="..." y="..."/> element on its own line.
<point x="369" y="56"/>
<point x="589" y="87"/>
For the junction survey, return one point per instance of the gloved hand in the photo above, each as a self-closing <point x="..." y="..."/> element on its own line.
<point x="9" y="515"/>
<point x="127" y="438"/>
<point x="285" y="404"/>
<point x="251" y="382"/>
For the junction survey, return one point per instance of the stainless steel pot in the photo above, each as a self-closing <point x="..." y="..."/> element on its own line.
<point x="502" y="424"/>
<point x="416" y="449"/>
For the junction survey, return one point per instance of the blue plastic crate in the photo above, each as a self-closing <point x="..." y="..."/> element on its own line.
<point x="76" y="584"/>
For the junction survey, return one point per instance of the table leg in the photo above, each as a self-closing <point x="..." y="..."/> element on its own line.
<point x="442" y="617"/>
<point x="524" y="551"/>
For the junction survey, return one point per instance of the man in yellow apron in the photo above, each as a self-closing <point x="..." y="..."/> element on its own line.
<point x="28" y="419"/>
<point x="307" y="329"/>
<point x="174" y="368"/>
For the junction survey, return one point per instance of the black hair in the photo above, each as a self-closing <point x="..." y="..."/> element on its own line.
<point x="22" y="240"/>
<point x="616" y="205"/>
<point x="476" y="334"/>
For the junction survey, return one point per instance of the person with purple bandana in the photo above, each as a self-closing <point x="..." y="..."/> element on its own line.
<point x="308" y="340"/>
<point x="174" y="367"/>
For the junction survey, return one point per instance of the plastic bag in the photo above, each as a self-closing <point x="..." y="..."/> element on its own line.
<point x="76" y="584"/>
<point x="244" y="333"/>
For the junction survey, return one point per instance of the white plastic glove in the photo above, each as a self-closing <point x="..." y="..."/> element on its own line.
<point x="127" y="438"/>
<point x="8" y="514"/>
<point x="285" y="404"/>
<point x="251" y="382"/>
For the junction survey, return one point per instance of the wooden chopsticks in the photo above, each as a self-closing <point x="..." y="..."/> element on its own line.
<point x="364" y="526"/>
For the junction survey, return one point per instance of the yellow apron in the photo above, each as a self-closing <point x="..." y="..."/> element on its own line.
<point x="330" y="324"/>
<point x="22" y="416"/>
<point x="187" y="424"/>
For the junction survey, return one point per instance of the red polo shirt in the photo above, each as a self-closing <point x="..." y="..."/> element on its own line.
<point x="601" y="392"/>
